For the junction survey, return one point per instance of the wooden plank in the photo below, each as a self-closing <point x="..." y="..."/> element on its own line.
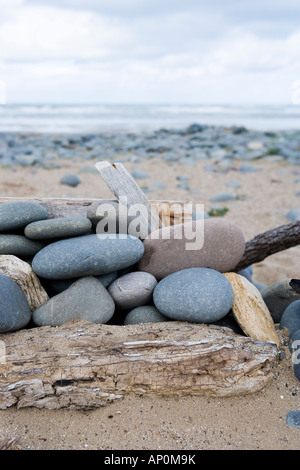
<point x="129" y="194"/>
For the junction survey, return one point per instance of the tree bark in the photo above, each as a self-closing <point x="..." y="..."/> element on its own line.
<point x="84" y="365"/>
<point x="269" y="243"/>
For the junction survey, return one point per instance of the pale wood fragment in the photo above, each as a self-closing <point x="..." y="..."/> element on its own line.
<point x="85" y="365"/>
<point x="124" y="187"/>
<point x="22" y="273"/>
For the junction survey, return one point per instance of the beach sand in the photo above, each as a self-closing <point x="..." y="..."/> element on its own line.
<point x="256" y="421"/>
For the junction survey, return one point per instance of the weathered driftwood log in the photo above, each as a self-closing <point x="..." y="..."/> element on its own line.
<point x="26" y="279"/>
<point x="269" y="243"/>
<point x="170" y="212"/>
<point x="84" y="365"/>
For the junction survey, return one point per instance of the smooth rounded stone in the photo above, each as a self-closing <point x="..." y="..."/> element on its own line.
<point x="248" y="168"/>
<point x="70" y="180"/>
<point x="223" y="197"/>
<point x="58" y="228"/>
<point x="144" y="314"/>
<point x="293" y="215"/>
<point x="132" y="289"/>
<point x="15" y="215"/>
<point x="18" y="245"/>
<point x="89" y="255"/>
<point x="291" y="318"/>
<point x="15" y="311"/>
<point x="246" y="273"/>
<point x="250" y="311"/>
<point x="223" y="247"/>
<point x="60" y="285"/>
<point x="293" y="419"/>
<point x="86" y="299"/>
<point x="198" y="295"/>
<point x="233" y="184"/>
<point x="260" y="286"/>
<point x="278" y="297"/>
<point x="139" y="174"/>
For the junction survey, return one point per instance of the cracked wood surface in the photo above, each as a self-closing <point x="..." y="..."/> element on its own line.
<point x="84" y="365"/>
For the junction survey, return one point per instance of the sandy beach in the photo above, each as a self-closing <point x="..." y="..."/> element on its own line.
<point x="256" y="421"/>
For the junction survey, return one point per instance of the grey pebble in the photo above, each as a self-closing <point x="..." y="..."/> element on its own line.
<point x="291" y="318"/>
<point x="70" y="180"/>
<point x="18" y="245"/>
<point x="199" y="295"/>
<point x="144" y="314"/>
<point x="86" y="299"/>
<point x="223" y="197"/>
<point x="133" y="289"/>
<point x="278" y="297"/>
<point x="293" y="419"/>
<point x="58" y="228"/>
<point x="15" y="215"/>
<point x="15" y="312"/>
<point x="293" y="215"/>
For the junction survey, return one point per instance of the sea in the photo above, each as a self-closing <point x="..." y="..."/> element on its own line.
<point x="97" y="118"/>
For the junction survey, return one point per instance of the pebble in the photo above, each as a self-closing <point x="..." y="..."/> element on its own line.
<point x="293" y="419"/>
<point x="88" y="255"/>
<point x="144" y="314"/>
<point x="294" y="343"/>
<point x="86" y="299"/>
<point x="18" y="245"/>
<point x="199" y="295"/>
<point x="291" y="318"/>
<point x="139" y="174"/>
<point x="70" y="180"/>
<point x="58" y="228"/>
<point x="132" y="289"/>
<point x="293" y="215"/>
<point x="223" y="197"/>
<point x="233" y="184"/>
<point x="15" y="215"/>
<point x="15" y="312"/>
<point x="278" y="297"/>
<point x="223" y="248"/>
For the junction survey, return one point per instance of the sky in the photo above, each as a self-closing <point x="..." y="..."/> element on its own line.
<point x="149" y="51"/>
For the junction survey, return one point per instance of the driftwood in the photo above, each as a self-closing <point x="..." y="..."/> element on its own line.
<point x="269" y="243"/>
<point x="26" y="279"/>
<point x="84" y="365"/>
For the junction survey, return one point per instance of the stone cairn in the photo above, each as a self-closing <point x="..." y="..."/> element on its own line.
<point x="110" y="313"/>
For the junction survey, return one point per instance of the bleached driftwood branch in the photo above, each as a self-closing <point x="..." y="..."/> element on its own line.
<point x="84" y="365"/>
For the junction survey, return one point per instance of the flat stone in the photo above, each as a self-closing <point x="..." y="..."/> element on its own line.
<point x="70" y="180"/>
<point x="144" y="314"/>
<point x="15" y="215"/>
<point x="223" y="197"/>
<point x="86" y="299"/>
<point x="233" y="184"/>
<point x="222" y="249"/>
<point x="291" y="318"/>
<point x="15" y="312"/>
<point x="278" y="297"/>
<point x="198" y="295"/>
<point x="89" y="255"/>
<point x="18" y="245"/>
<point x="132" y="289"/>
<point x="250" y="310"/>
<point x="139" y="174"/>
<point x="58" y="228"/>
<point x="293" y="215"/>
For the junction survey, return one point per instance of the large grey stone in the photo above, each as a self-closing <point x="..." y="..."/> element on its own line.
<point x="86" y="299"/>
<point x="58" y="228"/>
<point x="18" y="245"/>
<point x="59" y="285"/>
<point x="89" y="255"/>
<point x="18" y="214"/>
<point x="291" y="318"/>
<point x="15" y="311"/>
<point x="144" y="314"/>
<point x="169" y="249"/>
<point x="132" y="289"/>
<point x="199" y="295"/>
<point x="278" y="297"/>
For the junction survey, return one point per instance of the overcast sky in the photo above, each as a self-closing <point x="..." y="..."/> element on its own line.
<point x="149" y="51"/>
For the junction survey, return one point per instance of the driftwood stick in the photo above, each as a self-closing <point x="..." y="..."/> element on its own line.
<point x="84" y="365"/>
<point x="269" y="243"/>
<point x="124" y="187"/>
